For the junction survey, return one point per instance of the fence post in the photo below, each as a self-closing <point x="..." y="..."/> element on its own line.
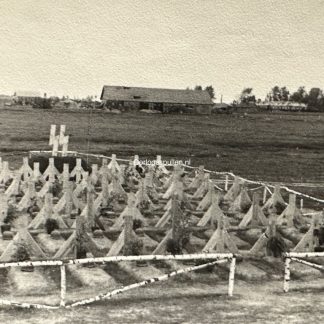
<point x="287" y="274"/>
<point x="301" y="204"/>
<point x="231" y="277"/>
<point x="226" y="183"/>
<point x="264" y="195"/>
<point x="63" y="285"/>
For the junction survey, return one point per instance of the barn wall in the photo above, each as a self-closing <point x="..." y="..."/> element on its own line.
<point x="166" y="107"/>
<point x="131" y="105"/>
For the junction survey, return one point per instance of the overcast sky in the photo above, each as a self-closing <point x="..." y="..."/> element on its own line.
<point x="75" y="47"/>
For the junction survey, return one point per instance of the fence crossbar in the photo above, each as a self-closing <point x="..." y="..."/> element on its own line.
<point x="26" y="305"/>
<point x="146" y="282"/>
<point x="295" y="256"/>
<point x="216" y="257"/>
<point x="310" y="264"/>
<point x="119" y="258"/>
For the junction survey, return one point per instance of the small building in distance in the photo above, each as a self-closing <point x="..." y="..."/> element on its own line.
<point x="5" y="100"/>
<point x="26" y="97"/>
<point x="221" y="107"/>
<point x="282" y="105"/>
<point x="66" y="104"/>
<point x="156" y="99"/>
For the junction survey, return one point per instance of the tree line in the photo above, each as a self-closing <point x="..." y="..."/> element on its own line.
<point x="314" y="98"/>
<point x="210" y="89"/>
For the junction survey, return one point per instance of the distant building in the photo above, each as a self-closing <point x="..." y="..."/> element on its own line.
<point x="163" y="100"/>
<point x="26" y="97"/>
<point x="65" y="104"/>
<point x="221" y="107"/>
<point x="282" y="105"/>
<point x="5" y="100"/>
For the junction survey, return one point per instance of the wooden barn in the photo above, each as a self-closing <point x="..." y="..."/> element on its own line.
<point x="155" y="99"/>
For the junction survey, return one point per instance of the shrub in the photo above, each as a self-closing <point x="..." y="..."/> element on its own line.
<point x="173" y="247"/>
<point x="276" y="246"/>
<point x="42" y="103"/>
<point x="135" y="248"/>
<point x="51" y="225"/>
<point x="55" y="189"/>
<point x="81" y="253"/>
<point x="11" y="215"/>
<point x="144" y="205"/>
<point x="22" y="254"/>
<point x="137" y="223"/>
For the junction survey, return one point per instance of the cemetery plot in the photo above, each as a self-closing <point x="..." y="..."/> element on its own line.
<point x="61" y="208"/>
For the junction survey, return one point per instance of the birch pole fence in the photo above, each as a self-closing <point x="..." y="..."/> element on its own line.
<point x="217" y="258"/>
<point x="296" y="256"/>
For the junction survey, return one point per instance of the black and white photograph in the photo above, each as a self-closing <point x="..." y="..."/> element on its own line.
<point x="161" y="161"/>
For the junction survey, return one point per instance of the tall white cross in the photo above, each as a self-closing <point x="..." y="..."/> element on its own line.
<point x="59" y="140"/>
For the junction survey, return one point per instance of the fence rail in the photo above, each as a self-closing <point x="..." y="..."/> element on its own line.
<point x="216" y="257"/>
<point x="295" y="256"/>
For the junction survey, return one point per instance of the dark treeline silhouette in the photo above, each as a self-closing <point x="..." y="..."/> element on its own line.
<point x="314" y="98"/>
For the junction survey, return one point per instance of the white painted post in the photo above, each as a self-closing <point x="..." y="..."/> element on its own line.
<point x="66" y="173"/>
<point x="65" y="145"/>
<point x="137" y="160"/>
<point x="264" y="195"/>
<point x="63" y="140"/>
<point x="55" y="146"/>
<point x="231" y="277"/>
<point x="63" y="285"/>
<point x="51" y="165"/>
<point x="31" y="189"/>
<point x="301" y="204"/>
<point x="62" y="133"/>
<point x="25" y="168"/>
<point x="287" y="274"/>
<point x="52" y="135"/>
<point x="36" y="173"/>
<point x="226" y="183"/>
<point x="94" y="174"/>
<point x="48" y="205"/>
<point x="5" y="172"/>
<point x="78" y="167"/>
<point x="54" y="140"/>
<point x="105" y="189"/>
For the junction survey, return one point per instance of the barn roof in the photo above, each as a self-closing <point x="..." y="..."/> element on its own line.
<point x="155" y="95"/>
<point x="31" y="94"/>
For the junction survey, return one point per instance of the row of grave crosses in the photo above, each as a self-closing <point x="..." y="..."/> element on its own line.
<point x="290" y="217"/>
<point x="108" y="176"/>
<point x="178" y="201"/>
<point x="68" y="199"/>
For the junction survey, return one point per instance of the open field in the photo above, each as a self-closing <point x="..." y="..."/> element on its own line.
<point x="274" y="147"/>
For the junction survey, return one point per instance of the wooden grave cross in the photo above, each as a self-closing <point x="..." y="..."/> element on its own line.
<point x="58" y="140"/>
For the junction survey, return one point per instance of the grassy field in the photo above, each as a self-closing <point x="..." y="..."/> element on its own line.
<point x="273" y="147"/>
<point x="173" y="303"/>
